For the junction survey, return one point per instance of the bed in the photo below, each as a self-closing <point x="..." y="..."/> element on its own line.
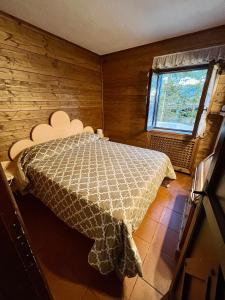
<point x="100" y="188"/>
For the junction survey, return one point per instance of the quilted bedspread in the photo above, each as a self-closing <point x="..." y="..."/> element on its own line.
<point x="100" y="188"/>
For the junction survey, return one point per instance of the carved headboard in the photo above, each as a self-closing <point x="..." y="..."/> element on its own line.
<point x="60" y="126"/>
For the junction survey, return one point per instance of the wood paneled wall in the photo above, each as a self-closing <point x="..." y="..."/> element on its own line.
<point x="125" y="83"/>
<point x="213" y="122"/>
<point x="39" y="74"/>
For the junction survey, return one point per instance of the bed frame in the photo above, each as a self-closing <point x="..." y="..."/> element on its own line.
<point x="60" y="126"/>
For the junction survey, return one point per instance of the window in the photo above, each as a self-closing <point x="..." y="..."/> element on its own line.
<point x="174" y="99"/>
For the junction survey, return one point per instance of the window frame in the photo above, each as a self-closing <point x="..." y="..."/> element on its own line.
<point x="208" y="67"/>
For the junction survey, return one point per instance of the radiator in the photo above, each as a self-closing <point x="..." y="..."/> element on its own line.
<point x="180" y="151"/>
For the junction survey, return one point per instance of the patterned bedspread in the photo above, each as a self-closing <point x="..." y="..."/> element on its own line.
<point x="102" y="189"/>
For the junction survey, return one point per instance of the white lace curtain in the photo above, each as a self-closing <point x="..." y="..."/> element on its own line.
<point x="189" y="58"/>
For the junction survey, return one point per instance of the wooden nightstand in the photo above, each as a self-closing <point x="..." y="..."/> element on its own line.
<point x="9" y="169"/>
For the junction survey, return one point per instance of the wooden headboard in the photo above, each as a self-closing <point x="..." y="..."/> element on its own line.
<point x="60" y="126"/>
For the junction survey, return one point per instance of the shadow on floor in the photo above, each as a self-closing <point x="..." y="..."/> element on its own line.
<point x="167" y="256"/>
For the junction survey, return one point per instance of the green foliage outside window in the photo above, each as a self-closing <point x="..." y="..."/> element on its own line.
<point x="177" y="103"/>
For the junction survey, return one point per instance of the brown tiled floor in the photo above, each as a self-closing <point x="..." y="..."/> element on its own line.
<point x="63" y="252"/>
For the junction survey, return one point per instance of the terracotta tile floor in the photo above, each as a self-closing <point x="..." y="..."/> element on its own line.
<point x="63" y="252"/>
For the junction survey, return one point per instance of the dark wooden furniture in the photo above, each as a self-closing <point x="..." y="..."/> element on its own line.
<point x="20" y="274"/>
<point x="193" y="199"/>
<point x="200" y="272"/>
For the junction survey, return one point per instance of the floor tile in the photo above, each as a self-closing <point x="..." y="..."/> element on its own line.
<point x="163" y="197"/>
<point x="105" y="296"/>
<point x="183" y="181"/>
<point x="143" y="291"/>
<point x="128" y="286"/>
<point x="107" y="287"/>
<point x="146" y="230"/>
<point x="63" y="288"/>
<point x="142" y="247"/>
<point x="171" y="219"/>
<point x="172" y="198"/>
<point x="155" y="211"/>
<point x="166" y="239"/>
<point x="158" y="269"/>
<point x="89" y="295"/>
<point x="177" y="202"/>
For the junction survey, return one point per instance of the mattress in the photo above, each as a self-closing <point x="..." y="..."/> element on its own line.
<point x="100" y="188"/>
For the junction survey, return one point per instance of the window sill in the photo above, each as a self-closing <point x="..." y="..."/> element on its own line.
<point x="169" y="133"/>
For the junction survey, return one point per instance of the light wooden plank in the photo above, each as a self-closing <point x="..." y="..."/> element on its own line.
<point x="24" y="37"/>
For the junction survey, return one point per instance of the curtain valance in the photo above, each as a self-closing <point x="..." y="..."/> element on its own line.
<point x="189" y="58"/>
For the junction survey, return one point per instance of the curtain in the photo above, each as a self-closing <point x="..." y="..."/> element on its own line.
<point x="208" y="98"/>
<point x="189" y="58"/>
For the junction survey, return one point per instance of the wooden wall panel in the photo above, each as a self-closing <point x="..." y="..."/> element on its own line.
<point x="125" y="83"/>
<point x="214" y="120"/>
<point x="39" y="74"/>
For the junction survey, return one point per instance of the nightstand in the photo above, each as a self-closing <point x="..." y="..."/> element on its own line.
<point x="9" y="169"/>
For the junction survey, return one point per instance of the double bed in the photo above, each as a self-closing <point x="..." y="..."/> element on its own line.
<point x="100" y="188"/>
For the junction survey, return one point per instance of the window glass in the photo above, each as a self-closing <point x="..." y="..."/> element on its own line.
<point x="174" y="99"/>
